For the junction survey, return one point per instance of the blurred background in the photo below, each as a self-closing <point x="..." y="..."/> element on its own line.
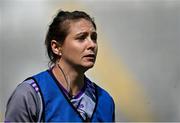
<point x="138" y="59"/>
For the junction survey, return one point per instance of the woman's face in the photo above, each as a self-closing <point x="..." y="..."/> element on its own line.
<point x="80" y="46"/>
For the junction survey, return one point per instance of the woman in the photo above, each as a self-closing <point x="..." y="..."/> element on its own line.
<point x="63" y="92"/>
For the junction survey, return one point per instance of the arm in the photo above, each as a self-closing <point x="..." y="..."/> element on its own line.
<point x="23" y="104"/>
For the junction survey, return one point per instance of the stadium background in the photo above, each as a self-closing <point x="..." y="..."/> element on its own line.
<point x="138" y="60"/>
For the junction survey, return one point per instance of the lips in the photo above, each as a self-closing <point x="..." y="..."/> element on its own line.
<point x="90" y="55"/>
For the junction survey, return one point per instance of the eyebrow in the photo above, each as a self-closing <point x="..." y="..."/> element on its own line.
<point x="82" y="33"/>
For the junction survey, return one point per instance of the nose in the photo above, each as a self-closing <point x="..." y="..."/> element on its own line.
<point x="92" y="44"/>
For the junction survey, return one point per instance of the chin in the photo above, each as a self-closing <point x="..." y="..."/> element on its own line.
<point x="88" y="66"/>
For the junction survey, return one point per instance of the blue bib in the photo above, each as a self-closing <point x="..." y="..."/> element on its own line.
<point x="58" y="108"/>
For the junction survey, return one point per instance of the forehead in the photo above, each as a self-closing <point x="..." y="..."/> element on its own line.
<point x="81" y="25"/>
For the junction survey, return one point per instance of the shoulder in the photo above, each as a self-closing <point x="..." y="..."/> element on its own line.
<point x="24" y="89"/>
<point x="106" y="104"/>
<point x="25" y="92"/>
<point x="42" y="75"/>
<point x="100" y="92"/>
<point x="103" y="97"/>
<point x="103" y="94"/>
<point x="23" y="103"/>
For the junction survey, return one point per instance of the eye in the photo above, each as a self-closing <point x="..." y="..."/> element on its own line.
<point x="94" y="36"/>
<point x="82" y="37"/>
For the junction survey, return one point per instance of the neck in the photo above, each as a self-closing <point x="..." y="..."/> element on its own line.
<point x="69" y="77"/>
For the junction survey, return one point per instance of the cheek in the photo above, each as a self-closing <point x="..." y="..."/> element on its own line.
<point x="73" y="49"/>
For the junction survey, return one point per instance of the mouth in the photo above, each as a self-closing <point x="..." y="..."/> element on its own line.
<point x="90" y="55"/>
<point x="89" y="60"/>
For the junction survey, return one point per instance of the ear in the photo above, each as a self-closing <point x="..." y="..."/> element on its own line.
<point x="56" y="47"/>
